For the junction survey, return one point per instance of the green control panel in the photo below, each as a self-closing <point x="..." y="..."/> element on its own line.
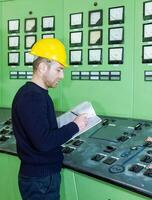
<point x="109" y="48"/>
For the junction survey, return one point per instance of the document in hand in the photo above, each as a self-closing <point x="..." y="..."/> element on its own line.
<point x="84" y="107"/>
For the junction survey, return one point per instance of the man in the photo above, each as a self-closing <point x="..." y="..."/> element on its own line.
<point x="38" y="138"/>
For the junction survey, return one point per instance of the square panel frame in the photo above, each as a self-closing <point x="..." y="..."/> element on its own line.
<point x="116" y="41"/>
<point x="25" y="41"/>
<point x="78" y="25"/>
<point x="116" y="21"/>
<point x="14" y="47"/>
<point x="147" y="39"/>
<point x="95" y="62"/>
<point x="27" y="63"/>
<point x="75" y="44"/>
<point x="34" y="29"/>
<point x="99" y="41"/>
<point x="116" y="61"/>
<point x="144" y="16"/>
<point x="14" y="63"/>
<point x="75" y="63"/>
<point x="48" y="28"/>
<point x="144" y="61"/>
<point x="13" y="31"/>
<point x="100" y="22"/>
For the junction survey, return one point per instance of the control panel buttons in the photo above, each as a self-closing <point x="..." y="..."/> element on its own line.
<point x="109" y="149"/>
<point x="77" y="142"/>
<point x="146" y="159"/>
<point x="136" y="168"/>
<point x="67" y="150"/>
<point x="149" y="152"/>
<point x="147" y="144"/>
<point x="122" y="138"/>
<point x="4" y="131"/>
<point x="97" y="157"/>
<point x="148" y="172"/>
<point x="3" y="138"/>
<point x="138" y="126"/>
<point x="109" y="160"/>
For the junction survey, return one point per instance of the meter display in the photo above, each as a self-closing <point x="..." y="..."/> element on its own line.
<point x="48" y="23"/>
<point x="116" y="15"/>
<point x="13" y="26"/>
<point x="75" y="57"/>
<point x="147" y="54"/>
<point x="147" y="32"/>
<point x="147" y="10"/>
<point x="94" y="56"/>
<point x="116" y="35"/>
<point x="13" y="58"/>
<point x="76" y="20"/>
<point x="115" y="55"/>
<point x="76" y="38"/>
<point x="29" y="41"/>
<point x="28" y="58"/>
<point x="30" y="25"/>
<point x="13" y="42"/>
<point x="95" y="37"/>
<point x="95" y="18"/>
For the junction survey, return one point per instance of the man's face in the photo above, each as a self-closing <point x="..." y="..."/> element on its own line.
<point x="53" y="74"/>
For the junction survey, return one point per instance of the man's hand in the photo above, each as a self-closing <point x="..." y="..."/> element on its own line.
<point x="81" y="121"/>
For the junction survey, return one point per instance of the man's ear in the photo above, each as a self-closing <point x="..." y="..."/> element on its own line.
<point x="42" y="67"/>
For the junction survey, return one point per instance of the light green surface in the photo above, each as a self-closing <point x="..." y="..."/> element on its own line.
<point x="130" y="97"/>
<point x="74" y="185"/>
<point x="14" y="10"/>
<point x="80" y="187"/>
<point x="142" y="89"/>
<point x="108" y="97"/>
<point x="9" y="166"/>
<point x="8" y="181"/>
<point x="0" y="56"/>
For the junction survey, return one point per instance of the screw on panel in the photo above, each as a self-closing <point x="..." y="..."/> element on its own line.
<point x="95" y="3"/>
<point x="30" y="12"/>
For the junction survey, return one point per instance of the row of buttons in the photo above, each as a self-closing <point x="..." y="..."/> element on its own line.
<point x="137" y="168"/>
<point x="108" y="161"/>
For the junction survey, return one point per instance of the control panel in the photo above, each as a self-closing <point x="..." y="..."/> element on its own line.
<point x="117" y="150"/>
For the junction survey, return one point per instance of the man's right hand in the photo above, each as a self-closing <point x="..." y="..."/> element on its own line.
<point x="81" y="121"/>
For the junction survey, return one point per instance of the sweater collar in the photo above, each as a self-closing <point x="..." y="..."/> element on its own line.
<point x="37" y="86"/>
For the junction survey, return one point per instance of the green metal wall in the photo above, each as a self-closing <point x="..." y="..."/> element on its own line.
<point x="1" y="55"/>
<point x="142" y="89"/>
<point x="74" y="186"/>
<point x="129" y="97"/>
<point x="20" y="10"/>
<point x="108" y="97"/>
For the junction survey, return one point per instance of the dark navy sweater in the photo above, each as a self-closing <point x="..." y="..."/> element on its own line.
<point x="38" y="137"/>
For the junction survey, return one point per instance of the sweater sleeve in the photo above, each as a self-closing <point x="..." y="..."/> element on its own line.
<point x="32" y="112"/>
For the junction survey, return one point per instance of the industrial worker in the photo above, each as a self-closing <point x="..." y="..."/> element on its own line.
<point x="38" y="137"/>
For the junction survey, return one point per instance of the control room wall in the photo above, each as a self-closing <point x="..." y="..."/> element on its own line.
<point x="128" y="97"/>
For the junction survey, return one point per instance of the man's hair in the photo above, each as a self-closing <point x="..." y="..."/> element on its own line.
<point x="37" y="61"/>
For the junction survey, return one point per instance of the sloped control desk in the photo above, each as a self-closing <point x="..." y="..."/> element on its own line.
<point x="114" y="150"/>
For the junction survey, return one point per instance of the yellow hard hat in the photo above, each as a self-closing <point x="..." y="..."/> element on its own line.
<point x="50" y="48"/>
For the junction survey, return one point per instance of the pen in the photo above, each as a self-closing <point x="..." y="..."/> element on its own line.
<point x="74" y="113"/>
